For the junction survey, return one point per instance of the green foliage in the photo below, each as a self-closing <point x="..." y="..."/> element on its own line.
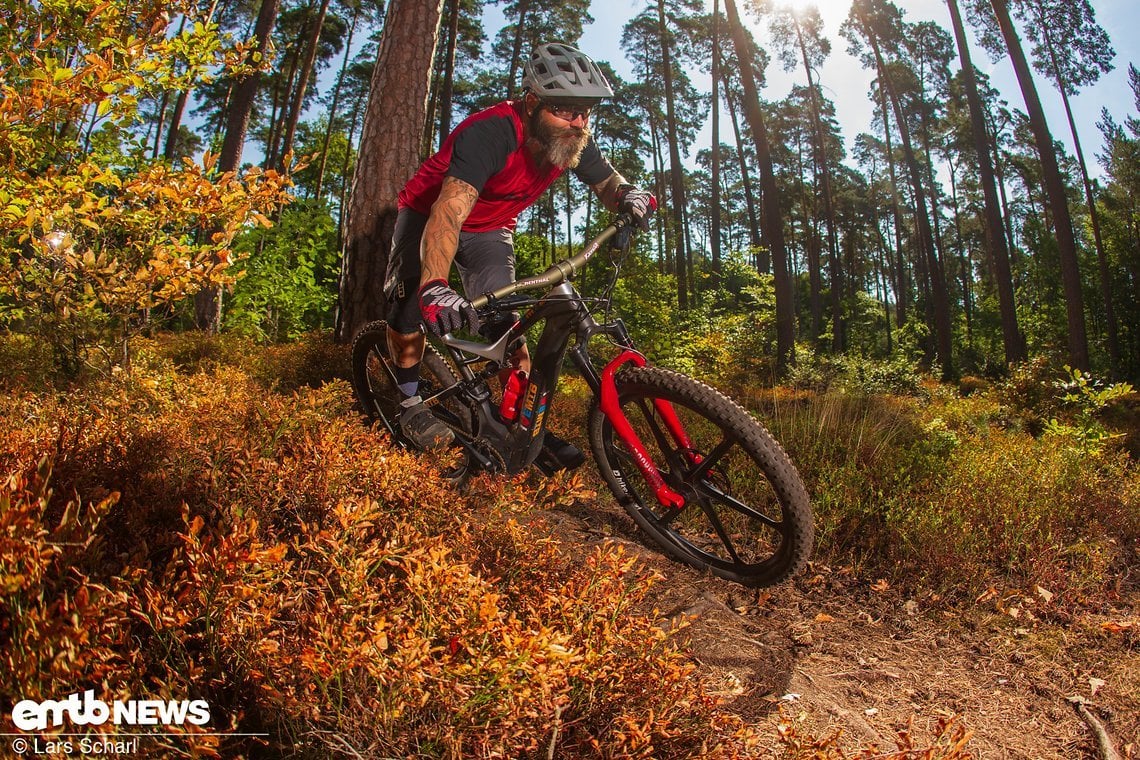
<point x="1084" y="396"/>
<point x="287" y="275"/>
<point x="531" y="254"/>
<point x="731" y="334"/>
<point x="941" y="494"/>
<point x="897" y="375"/>
<point x="643" y="298"/>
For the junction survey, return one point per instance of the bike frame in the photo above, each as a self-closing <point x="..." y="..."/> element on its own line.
<point x="565" y="315"/>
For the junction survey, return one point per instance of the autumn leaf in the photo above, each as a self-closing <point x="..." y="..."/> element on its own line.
<point x="1118" y="627"/>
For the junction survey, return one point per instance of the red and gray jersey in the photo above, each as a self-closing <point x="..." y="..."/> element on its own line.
<point x="487" y="152"/>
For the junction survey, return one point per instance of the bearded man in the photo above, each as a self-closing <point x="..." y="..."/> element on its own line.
<point x="463" y="203"/>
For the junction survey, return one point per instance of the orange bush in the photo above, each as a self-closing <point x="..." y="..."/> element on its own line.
<point x="92" y="238"/>
<point x="199" y="537"/>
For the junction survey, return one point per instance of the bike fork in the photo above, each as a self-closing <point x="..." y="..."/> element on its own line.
<point x="611" y="407"/>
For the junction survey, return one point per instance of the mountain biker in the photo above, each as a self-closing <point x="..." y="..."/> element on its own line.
<point x="463" y="203"/>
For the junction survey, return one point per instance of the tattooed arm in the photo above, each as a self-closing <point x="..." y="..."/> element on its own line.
<point x="441" y="234"/>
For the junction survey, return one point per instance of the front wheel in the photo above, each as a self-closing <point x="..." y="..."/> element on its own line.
<point x="746" y="518"/>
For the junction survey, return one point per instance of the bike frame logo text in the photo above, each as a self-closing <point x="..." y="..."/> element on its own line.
<point x="29" y="715"/>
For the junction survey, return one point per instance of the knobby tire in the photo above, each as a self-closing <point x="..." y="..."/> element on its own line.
<point x="747" y="516"/>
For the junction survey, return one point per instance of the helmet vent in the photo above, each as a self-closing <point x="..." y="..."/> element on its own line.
<point x="561" y="72"/>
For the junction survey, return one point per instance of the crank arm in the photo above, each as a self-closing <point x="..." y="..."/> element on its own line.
<point x="473" y="451"/>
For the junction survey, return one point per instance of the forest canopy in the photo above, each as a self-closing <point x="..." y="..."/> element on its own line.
<point x="191" y="165"/>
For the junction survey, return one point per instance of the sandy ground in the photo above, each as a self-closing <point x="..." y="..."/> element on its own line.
<point x="839" y="653"/>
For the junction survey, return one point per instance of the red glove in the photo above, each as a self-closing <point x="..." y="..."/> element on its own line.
<point x="443" y="310"/>
<point x="640" y="203"/>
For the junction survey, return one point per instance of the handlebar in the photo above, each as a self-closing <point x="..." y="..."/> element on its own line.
<point x="560" y="271"/>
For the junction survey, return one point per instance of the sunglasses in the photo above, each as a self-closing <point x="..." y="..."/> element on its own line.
<point x="568" y="113"/>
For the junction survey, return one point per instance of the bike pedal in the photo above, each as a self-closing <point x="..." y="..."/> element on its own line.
<point x="557" y="454"/>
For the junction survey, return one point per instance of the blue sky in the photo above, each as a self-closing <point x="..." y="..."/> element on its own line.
<point x="846" y="83"/>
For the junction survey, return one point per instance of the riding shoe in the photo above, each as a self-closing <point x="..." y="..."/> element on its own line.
<point x="558" y="454"/>
<point x="423" y="428"/>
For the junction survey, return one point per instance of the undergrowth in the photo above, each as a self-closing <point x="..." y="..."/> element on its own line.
<point x="955" y="494"/>
<point x="217" y="524"/>
<point x="174" y="535"/>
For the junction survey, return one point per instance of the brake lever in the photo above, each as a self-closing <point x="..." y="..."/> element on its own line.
<point x="502" y="304"/>
<point x="626" y="230"/>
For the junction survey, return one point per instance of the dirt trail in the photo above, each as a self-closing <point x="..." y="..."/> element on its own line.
<point x="840" y="653"/>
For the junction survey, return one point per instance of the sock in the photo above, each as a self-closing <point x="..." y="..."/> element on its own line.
<point x="408" y="379"/>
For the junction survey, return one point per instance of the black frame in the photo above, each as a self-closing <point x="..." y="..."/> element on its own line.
<point x="519" y="443"/>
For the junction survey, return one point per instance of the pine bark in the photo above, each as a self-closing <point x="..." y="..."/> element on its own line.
<point x="389" y="155"/>
<point x="1054" y="188"/>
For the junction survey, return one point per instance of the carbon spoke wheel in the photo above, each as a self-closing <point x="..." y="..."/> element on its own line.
<point x="747" y="516"/>
<point x="379" y="398"/>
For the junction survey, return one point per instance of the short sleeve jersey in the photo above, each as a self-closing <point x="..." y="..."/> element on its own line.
<point x="487" y="151"/>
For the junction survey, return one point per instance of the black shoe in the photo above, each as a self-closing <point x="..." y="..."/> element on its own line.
<point x="423" y="428"/>
<point x="558" y="454"/>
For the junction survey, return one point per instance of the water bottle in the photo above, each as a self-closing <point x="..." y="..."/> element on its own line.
<point x="512" y="396"/>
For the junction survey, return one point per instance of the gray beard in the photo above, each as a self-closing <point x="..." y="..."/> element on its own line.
<point x="561" y="146"/>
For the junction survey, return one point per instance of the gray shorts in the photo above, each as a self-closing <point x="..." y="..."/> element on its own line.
<point x="485" y="260"/>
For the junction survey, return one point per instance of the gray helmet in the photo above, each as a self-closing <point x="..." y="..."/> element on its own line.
<point x="559" y="72"/>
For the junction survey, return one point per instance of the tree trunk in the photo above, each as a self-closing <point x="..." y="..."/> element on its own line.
<point x="965" y="267"/>
<point x="898" y="265"/>
<point x="346" y="167"/>
<point x="940" y="298"/>
<point x="448" y="90"/>
<point x="163" y="105"/>
<point x="763" y="260"/>
<point x="995" y="239"/>
<point x="298" y="104"/>
<point x="1094" y="215"/>
<point x="277" y="116"/>
<point x="171" y="148"/>
<point x="1054" y="187"/>
<point x="819" y="152"/>
<point x="569" y="213"/>
<point x="884" y="274"/>
<point x="1006" y="214"/>
<point x="335" y="105"/>
<point x="676" y="176"/>
<point x="208" y="302"/>
<point x="516" y="49"/>
<point x="714" y="228"/>
<point x="770" y="200"/>
<point x="389" y="155"/>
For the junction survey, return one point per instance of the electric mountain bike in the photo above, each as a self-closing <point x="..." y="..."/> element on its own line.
<point x="696" y="472"/>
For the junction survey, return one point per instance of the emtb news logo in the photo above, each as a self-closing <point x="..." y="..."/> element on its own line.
<point x="29" y="715"/>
